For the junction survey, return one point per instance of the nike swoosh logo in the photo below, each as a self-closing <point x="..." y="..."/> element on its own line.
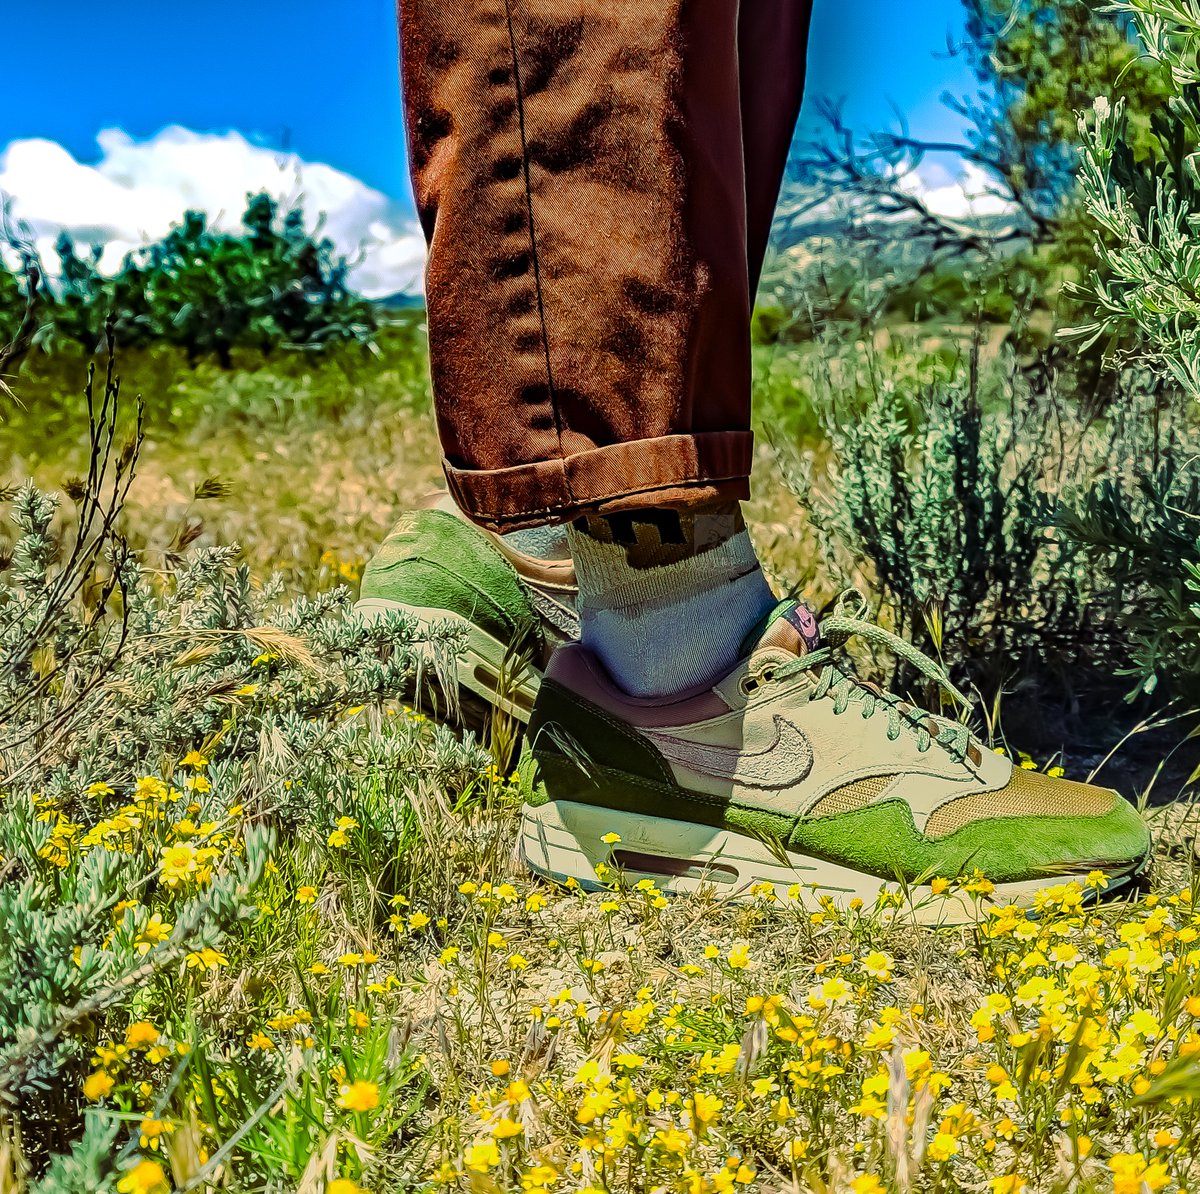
<point x="786" y="761"/>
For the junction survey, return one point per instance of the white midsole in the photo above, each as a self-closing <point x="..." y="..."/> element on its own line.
<point x="562" y="840"/>
<point x="484" y="665"/>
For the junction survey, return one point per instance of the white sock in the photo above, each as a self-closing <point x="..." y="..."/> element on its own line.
<point x="664" y="616"/>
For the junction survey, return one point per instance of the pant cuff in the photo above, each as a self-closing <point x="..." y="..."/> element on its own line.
<point x="668" y="471"/>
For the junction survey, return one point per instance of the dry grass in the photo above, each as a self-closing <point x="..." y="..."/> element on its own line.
<point x="313" y="465"/>
<point x="442" y="1021"/>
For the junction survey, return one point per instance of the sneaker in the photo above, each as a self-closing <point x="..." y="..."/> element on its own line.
<point x="792" y="772"/>
<point x="512" y="608"/>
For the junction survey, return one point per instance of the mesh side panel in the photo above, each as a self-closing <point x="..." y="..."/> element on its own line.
<point x="1027" y="794"/>
<point x="850" y="796"/>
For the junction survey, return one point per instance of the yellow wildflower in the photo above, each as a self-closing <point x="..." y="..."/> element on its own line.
<point x="878" y="965"/>
<point x="97" y="1085"/>
<point x="151" y="1129"/>
<point x="146" y="1177"/>
<point x="706" y="1107"/>
<point x="206" y="959"/>
<point x="359" y="1096"/>
<point x="1131" y="1174"/>
<point x="481" y="1156"/>
<point x="178" y="864"/>
<point x="942" y="1147"/>
<point x="739" y="957"/>
<point x="141" y="1034"/>
<point x="154" y="931"/>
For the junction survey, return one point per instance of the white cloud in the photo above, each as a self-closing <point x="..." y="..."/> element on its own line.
<point x="957" y="193"/>
<point x="138" y="189"/>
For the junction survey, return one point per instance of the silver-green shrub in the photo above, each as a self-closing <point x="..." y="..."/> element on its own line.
<point x="110" y="674"/>
<point x="943" y="490"/>
<point x="1145" y="296"/>
<point x="1145" y="303"/>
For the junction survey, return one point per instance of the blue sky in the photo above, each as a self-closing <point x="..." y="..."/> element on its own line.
<point x="320" y="78"/>
<point x="117" y="117"/>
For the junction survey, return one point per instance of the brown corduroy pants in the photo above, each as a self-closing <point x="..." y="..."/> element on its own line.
<point x="596" y="181"/>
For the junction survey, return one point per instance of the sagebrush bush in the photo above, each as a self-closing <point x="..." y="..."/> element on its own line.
<point x="1144" y="306"/>
<point x="1145" y="210"/>
<point x="944" y="491"/>
<point x="1143" y="531"/>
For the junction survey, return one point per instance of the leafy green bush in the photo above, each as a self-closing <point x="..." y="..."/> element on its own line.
<point x="268" y="287"/>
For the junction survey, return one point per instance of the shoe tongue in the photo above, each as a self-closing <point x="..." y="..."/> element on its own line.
<point x="791" y="626"/>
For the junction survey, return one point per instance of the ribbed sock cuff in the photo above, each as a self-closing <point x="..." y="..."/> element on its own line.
<point x="607" y="581"/>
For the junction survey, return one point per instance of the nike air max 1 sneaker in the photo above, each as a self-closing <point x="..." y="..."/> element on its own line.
<point x="512" y="608"/>
<point x="792" y="772"/>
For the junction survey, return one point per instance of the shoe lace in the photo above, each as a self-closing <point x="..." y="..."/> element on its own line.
<point x="842" y="685"/>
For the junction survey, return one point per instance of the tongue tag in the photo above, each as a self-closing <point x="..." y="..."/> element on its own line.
<point x="791" y="625"/>
<point x="804" y="622"/>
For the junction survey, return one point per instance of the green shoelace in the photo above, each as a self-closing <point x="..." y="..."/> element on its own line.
<point x="844" y="686"/>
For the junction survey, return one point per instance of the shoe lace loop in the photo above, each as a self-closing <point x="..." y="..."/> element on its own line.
<point x="842" y="685"/>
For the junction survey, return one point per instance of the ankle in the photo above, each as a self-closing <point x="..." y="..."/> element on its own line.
<point x="665" y="597"/>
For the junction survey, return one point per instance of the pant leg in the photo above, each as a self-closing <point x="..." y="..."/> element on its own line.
<point x="773" y="58"/>
<point x="578" y="171"/>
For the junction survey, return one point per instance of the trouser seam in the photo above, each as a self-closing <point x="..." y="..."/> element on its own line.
<point x="533" y="245"/>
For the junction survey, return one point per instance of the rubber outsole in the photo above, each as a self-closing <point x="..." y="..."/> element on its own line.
<point x="562" y="840"/>
<point x="484" y="665"/>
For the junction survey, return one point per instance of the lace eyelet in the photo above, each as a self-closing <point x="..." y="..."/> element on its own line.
<point x="753" y="681"/>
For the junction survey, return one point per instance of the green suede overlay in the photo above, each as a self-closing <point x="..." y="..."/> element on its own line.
<point x="574" y="744"/>
<point x="882" y="840"/>
<point x="434" y="560"/>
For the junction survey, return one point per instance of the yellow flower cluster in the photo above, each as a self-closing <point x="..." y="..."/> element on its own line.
<point x="707" y="1081"/>
<point x="159" y="818"/>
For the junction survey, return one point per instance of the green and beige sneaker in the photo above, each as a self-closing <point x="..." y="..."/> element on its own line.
<point x="790" y="771"/>
<point x="514" y="609"/>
